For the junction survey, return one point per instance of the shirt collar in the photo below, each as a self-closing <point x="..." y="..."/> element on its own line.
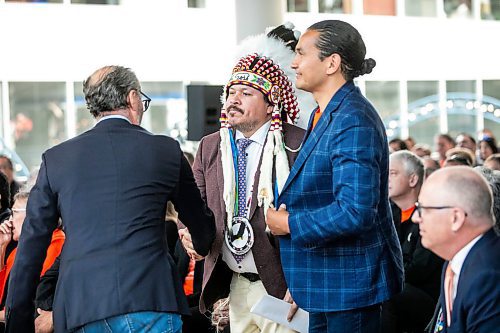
<point x="259" y="136"/>
<point x="459" y="258"/>
<point x="113" y="116"/>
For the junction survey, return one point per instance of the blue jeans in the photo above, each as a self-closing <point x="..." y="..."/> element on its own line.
<point x="136" y="322"/>
<point x="363" y="320"/>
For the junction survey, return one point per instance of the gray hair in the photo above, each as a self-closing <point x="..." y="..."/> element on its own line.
<point x="107" y="89"/>
<point x="411" y="162"/>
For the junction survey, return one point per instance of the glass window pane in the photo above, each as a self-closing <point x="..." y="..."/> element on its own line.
<point x="379" y="7"/>
<point x="468" y="86"/>
<point x="491" y="88"/>
<point x="84" y="119"/>
<point x="196" y="4"/>
<point x="335" y="6"/>
<point x="423" y="120"/>
<point x="458" y="123"/>
<point x="384" y="95"/>
<point x="424" y="130"/>
<point x="490" y="9"/>
<point x="458" y="8"/>
<point x="421" y="89"/>
<point x="167" y="113"/>
<point x="297" y="6"/>
<point x="37" y="113"/>
<point x="96" y="2"/>
<point x="43" y="1"/>
<point x="421" y="8"/>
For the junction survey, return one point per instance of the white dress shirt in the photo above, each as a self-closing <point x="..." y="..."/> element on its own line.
<point x="254" y="152"/>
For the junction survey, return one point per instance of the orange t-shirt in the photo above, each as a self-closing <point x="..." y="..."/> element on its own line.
<point x="53" y="252"/>
<point x="317" y="115"/>
<point x="406" y="214"/>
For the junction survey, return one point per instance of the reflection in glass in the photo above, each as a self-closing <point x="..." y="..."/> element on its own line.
<point x="490" y="9"/>
<point x="491" y="88"/>
<point x="421" y="89"/>
<point x="84" y="119"/>
<point x="297" y="6"/>
<point x="421" y="8"/>
<point x="335" y="6"/>
<point x="423" y="131"/>
<point x="37" y="1"/>
<point x="37" y="114"/>
<point x="468" y="86"/>
<point x="458" y="8"/>
<point x="384" y="95"/>
<point x="458" y="123"/>
<point x="196" y="4"/>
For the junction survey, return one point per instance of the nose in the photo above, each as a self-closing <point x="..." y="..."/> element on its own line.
<point x="294" y="64"/>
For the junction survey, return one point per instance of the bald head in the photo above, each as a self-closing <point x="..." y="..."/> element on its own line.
<point x="464" y="187"/>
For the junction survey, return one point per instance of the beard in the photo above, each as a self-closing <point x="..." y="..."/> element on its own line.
<point x="245" y="125"/>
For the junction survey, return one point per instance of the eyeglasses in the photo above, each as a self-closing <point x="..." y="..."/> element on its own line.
<point x="145" y="101"/>
<point x="420" y="207"/>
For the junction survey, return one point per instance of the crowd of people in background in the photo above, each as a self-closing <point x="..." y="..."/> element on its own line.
<point x="362" y="233"/>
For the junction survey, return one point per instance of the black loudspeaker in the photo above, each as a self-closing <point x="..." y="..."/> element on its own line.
<point x="203" y="104"/>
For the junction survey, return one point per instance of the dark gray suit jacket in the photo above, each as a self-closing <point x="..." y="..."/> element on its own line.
<point x="207" y="170"/>
<point x="110" y="186"/>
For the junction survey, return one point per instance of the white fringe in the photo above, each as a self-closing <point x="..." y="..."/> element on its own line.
<point x="282" y="166"/>
<point x="229" y="193"/>
<point x="265" y="190"/>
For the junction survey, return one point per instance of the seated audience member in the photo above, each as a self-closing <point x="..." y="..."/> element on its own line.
<point x="7" y="168"/>
<point x="493" y="162"/>
<point x="421" y="150"/>
<point x="397" y="144"/>
<point x="410" y="310"/>
<point x="410" y="143"/>
<point x="430" y="165"/>
<point x="464" y="140"/>
<point x="11" y="229"/>
<point x="4" y="198"/>
<point x="459" y="156"/>
<point x="487" y="147"/>
<point x="443" y="143"/>
<point x="455" y="216"/>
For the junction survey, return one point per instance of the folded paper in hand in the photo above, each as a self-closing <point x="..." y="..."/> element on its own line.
<point x="277" y="309"/>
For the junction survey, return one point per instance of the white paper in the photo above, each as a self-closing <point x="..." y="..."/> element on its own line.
<point x="277" y="309"/>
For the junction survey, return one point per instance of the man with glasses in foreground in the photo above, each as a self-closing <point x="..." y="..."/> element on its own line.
<point x="455" y="217"/>
<point x="110" y="186"/>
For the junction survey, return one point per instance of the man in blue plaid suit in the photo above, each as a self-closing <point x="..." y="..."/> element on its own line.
<point x="339" y="248"/>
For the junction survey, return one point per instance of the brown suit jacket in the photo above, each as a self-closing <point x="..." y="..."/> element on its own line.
<point x="207" y="169"/>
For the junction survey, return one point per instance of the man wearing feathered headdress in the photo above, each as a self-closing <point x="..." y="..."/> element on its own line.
<point x="241" y="170"/>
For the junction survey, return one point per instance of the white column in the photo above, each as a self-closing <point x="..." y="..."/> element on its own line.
<point x="70" y="118"/>
<point x="443" y="111"/>
<point x="357" y="7"/>
<point x="400" y="8"/>
<point x="479" y="111"/>
<point x="252" y="17"/>
<point x="6" y="127"/>
<point x="403" y="105"/>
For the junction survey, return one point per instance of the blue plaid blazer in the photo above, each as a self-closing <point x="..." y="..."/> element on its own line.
<point x="342" y="252"/>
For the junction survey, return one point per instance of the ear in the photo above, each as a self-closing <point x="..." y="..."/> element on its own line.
<point x="333" y="63"/>
<point x="131" y="97"/>
<point x="458" y="219"/>
<point x="413" y="180"/>
<point x="269" y="109"/>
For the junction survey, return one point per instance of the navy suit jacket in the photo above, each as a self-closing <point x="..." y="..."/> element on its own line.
<point x="110" y="186"/>
<point x="342" y="252"/>
<point x="476" y="307"/>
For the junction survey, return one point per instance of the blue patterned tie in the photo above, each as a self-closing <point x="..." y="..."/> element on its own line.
<point x="242" y="175"/>
<point x="242" y="145"/>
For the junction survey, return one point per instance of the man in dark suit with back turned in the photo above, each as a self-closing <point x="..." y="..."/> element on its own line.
<point x="110" y="185"/>
<point x="456" y="221"/>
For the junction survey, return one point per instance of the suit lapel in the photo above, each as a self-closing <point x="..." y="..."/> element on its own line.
<point x="314" y="135"/>
<point x="220" y="182"/>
